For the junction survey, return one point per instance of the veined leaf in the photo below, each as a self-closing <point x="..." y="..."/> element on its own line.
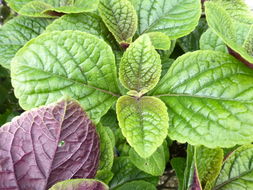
<point x="120" y="17"/>
<point x="126" y="172"/>
<point x="237" y="171"/>
<point x="80" y="184"/>
<point x="137" y="185"/>
<point x="210" y="41"/>
<point x="155" y="164"/>
<point x="144" y="123"/>
<point x="175" y="18"/>
<point x="15" y="33"/>
<point x="85" y="22"/>
<point x="51" y="8"/>
<point x="140" y="66"/>
<point x="37" y="146"/>
<point x="210" y="99"/>
<point x="68" y="63"/>
<point x="159" y="40"/>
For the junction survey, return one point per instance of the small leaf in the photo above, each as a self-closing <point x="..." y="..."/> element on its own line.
<point x="159" y="40"/>
<point x="126" y="172"/>
<point x="69" y="63"/>
<point x="174" y="18"/>
<point x="140" y="66"/>
<point x="104" y="175"/>
<point x="144" y="123"/>
<point x="137" y="185"/>
<point x="51" y="8"/>
<point x="248" y="43"/>
<point x="30" y="155"/>
<point x="179" y="164"/>
<point x="155" y="164"/>
<point x="15" y="33"/>
<point x="80" y="184"/>
<point x="120" y="17"/>
<point x="196" y="181"/>
<point x="210" y="41"/>
<point x="209" y="99"/>
<point x="237" y="170"/>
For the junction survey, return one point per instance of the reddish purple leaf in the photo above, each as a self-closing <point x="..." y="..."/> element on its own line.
<point x="80" y="184"/>
<point x="196" y="183"/>
<point x="47" y="145"/>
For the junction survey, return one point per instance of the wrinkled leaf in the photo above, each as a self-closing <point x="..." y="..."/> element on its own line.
<point x="37" y="146"/>
<point x="175" y="18"/>
<point x="209" y="99"/>
<point x="140" y="66"/>
<point x="144" y="123"/>
<point x="120" y="17"/>
<point x="15" y="33"/>
<point x="70" y="63"/>
<point x="80" y="184"/>
<point x="160" y="40"/>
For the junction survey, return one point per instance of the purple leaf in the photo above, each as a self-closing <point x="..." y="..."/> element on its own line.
<point x="196" y="183"/>
<point x="80" y="184"/>
<point x="47" y="145"/>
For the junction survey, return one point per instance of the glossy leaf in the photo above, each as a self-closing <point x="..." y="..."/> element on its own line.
<point x="126" y="172"/>
<point x="208" y="164"/>
<point x="69" y="63"/>
<point x="209" y="99"/>
<point x="237" y="170"/>
<point x="137" y="185"/>
<point x="160" y="40"/>
<point x="85" y="22"/>
<point x="144" y="123"/>
<point x="155" y="164"/>
<point x="140" y="66"/>
<point x="80" y="184"/>
<point x="15" y="33"/>
<point x="50" y="8"/>
<point x="210" y="41"/>
<point x="37" y="146"/>
<point x="120" y="17"/>
<point x="175" y="18"/>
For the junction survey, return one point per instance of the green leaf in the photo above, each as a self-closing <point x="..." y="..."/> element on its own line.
<point x="137" y="185"/>
<point x="166" y="63"/>
<point x="85" y="22"/>
<point x="191" y="41"/>
<point x="104" y="175"/>
<point x="51" y="8"/>
<point x="232" y="32"/>
<point x="237" y="170"/>
<point x="80" y="184"/>
<point x="140" y="66"/>
<point x="159" y="40"/>
<point x="179" y="164"/>
<point x="209" y="99"/>
<point x="189" y="168"/>
<point x="106" y="149"/>
<point x="124" y="172"/>
<point x="248" y="43"/>
<point x="175" y="18"/>
<point x="208" y="164"/>
<point x="210" y="41"/>
<point x="144" y="123"/>
<point x="68" y="63"/>
<point x="120" y="17"/>
<point x="15" y="33"/>
<point x="155" y="164"/>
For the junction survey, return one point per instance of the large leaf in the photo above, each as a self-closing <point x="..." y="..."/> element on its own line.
<point x="85" y="22"/>
<point x="38" y="146"/>
<point x="80" y="184"/>
<point x="232" y="32"/>
<point x="15" y="33"/>
<point x="176" y="18"/>
<point x="47" y="8"/>
<point x="137" y="185"/>
<point x="120" y="18"/>
<point x="144" y="123"/>
<point x="210" y="41"/>
<point x="237" y="171"/>
<point x="140" y="66"/>
<point x="208" y="165"/>
<point x="209" y="99"/>
<point x="155" y="164"/>
<point x="126" y="172"/>
<point x="69" y="63"/>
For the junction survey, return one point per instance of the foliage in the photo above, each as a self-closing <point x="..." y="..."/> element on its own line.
<point x="109" y="90"/>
